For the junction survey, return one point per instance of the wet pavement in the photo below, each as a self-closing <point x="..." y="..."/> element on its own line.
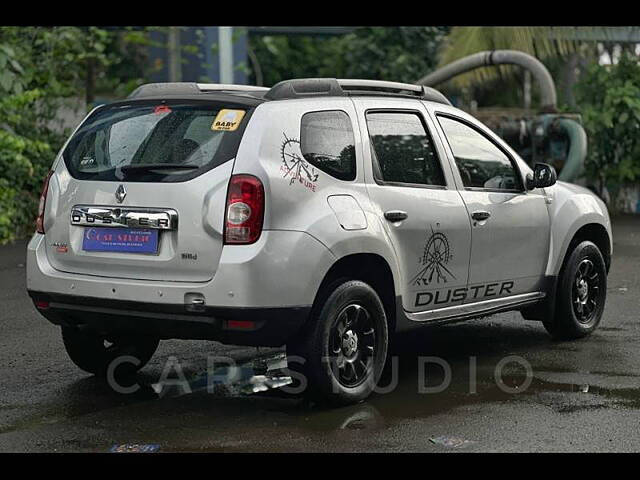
<point x="511" y="387"/>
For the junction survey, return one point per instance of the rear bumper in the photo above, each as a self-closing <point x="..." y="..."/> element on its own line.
<point x="282" y="269"/>
<point x="271" y="283"/>
<point x="266" y="326"/>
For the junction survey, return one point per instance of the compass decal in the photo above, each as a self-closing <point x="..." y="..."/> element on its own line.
<point x="294" y="166"/>
<point x="433" y="262"/>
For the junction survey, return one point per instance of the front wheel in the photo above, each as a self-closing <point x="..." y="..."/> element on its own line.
<point x="93" y="352"/>
<point x="581" y="294"/>
<point x="345" y="348"/>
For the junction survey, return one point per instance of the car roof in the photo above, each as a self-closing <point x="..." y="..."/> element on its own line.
<point x="288" y="89"/>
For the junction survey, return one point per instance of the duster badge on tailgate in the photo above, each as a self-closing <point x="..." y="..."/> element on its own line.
<point x="156" y="218"/>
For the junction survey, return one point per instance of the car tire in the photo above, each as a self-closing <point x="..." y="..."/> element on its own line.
<point x="93" y="352"/>
<point x="343" y="350"/>
<point x="580" y="295"/>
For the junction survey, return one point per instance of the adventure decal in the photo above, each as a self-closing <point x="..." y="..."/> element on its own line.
<point x="294" y="166"/>
<point x="433" y="261"/>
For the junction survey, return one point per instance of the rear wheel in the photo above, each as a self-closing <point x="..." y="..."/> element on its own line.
<point x="93" y="352"/>
<point x="581" y="294"/>
<point x="345" y="348"/>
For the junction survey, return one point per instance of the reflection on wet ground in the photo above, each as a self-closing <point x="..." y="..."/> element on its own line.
<point x="472" y="351"/>
<point x="258" y="375"/>
<point x="243" y="407"/>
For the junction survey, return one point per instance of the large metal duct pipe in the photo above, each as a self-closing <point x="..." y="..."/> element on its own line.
<point x="574" y="165"/>
<point x="548" y="97"/>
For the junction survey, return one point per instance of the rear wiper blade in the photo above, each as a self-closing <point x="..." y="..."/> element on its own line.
<point x="158" y="166"/>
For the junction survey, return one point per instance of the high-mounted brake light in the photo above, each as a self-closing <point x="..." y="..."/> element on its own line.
<point x="244" y="210"/>
<point x="160" y="109"/>
<point x="43" y="203"/>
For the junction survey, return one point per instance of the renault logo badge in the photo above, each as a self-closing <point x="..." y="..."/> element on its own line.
<point x="120" y="194"/>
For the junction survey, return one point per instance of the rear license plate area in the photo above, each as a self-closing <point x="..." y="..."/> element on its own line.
<point x="123" y="240"/>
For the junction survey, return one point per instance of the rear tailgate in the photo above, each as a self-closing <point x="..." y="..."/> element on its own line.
<point x="141" y="194"/>
<point x="190" y="251"/>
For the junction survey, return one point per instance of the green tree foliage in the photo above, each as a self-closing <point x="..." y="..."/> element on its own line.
<point x="542" y="42"/>
<point x="39" y="67"/>
<point x="282" y="57"/>
<point x="609" y="99"/>
<point x="26" y="144"/>
<point x="559" y="48"/>
<point x="400" y="54"/>
<point x="128" y="66"/>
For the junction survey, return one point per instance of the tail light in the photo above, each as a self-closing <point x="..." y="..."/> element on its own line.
<point x="42" y="304"/>
<point x="244" y="210"/>
<point x="43" y="204"/>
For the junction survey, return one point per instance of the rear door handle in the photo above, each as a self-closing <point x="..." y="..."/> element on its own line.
<point x="395" y="215"/>
<point x="480" y="215"/>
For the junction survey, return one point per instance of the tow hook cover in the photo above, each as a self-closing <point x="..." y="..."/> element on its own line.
<point x="194" y="302"/>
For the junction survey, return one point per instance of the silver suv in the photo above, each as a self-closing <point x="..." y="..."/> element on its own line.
<point x="320" y="214"/>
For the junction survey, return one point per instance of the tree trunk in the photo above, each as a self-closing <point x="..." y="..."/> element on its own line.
<point x="570" y="79"/>
<point x="90" y="82"/>
<point x="174" y="54"/>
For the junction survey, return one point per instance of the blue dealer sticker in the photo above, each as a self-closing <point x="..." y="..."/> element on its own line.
<point x="120" y="240"/>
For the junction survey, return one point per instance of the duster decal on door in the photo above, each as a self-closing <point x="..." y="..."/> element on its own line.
<point x="433" y="262"/>
<point x="472" y="292"/>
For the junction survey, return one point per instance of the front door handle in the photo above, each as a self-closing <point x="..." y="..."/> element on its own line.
<point x="480" y="215"/>
<point x="395" y="215"/>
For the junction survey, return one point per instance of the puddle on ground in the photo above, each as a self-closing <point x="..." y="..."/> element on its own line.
<point x="92" y="394"/>
<point x="254" y="389"/>
<point x="259" y="375"/>
<point x="451" y="442"/>
<point x="573" y="397"/>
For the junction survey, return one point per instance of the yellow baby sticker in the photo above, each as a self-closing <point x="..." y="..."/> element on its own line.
<point x="227" y="120"/>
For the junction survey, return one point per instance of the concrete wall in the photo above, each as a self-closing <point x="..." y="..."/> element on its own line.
<point x="70" y="113"/>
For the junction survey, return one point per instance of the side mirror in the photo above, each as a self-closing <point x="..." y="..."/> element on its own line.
<point x="544" y="175"/>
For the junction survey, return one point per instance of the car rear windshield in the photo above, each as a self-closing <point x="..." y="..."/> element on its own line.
<point x="155" y="142"/>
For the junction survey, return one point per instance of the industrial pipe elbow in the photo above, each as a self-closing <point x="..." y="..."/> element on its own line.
<point x="548" y="96"/>
<point x="574" y="165"/>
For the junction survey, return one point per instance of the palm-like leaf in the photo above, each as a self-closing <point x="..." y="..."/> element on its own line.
<point x="542" y="42"/>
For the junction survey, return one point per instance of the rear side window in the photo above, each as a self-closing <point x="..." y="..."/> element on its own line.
<point x="480" y="162"/>
<point x="403" y="149"/>
<point x="327" y="142"/>
<point x="153" y="142"/>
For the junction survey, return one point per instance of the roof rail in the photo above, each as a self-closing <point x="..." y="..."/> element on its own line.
<point x="305" y="87"/>
<point x="379" y="85"/>
<point x="296" y="88"/>
<point x="190" y="88"/>
<point x="314" y="87"/>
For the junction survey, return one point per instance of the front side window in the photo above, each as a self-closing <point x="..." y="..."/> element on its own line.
<point x="327" y="142"/>
<point x="480" y="162"/>
<point x="404" y="151"/>
<point x="150" y="142"/>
